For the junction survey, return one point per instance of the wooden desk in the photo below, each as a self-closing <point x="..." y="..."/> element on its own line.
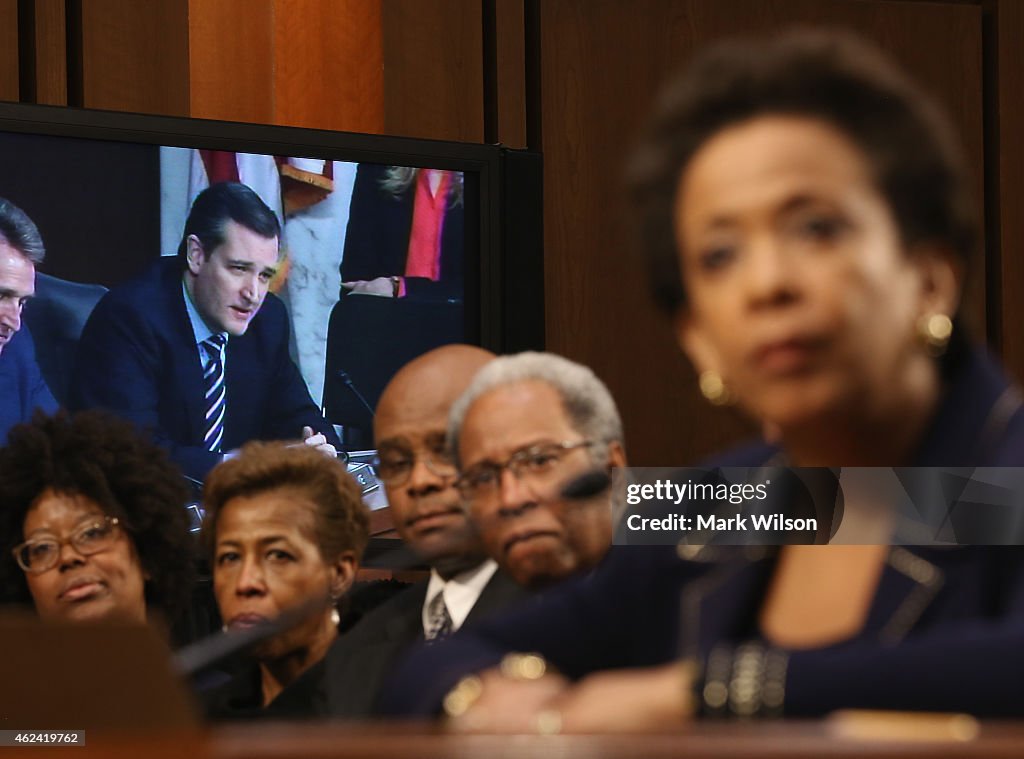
<point x="780" y="740"/>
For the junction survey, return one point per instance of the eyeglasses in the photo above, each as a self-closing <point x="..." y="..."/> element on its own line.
<point x="40" y="554"/>
<point x="537" y="464"/>
<point x="394" y="466"/>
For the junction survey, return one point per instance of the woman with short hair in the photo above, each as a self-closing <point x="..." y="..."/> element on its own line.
<point x="285" y="527"/>
<point x="807" y="221"/>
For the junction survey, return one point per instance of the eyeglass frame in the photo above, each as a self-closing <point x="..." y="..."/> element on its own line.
<point x="428" y="457"/>
<point x="510" y="463"/>
<point x="113" y="522"/>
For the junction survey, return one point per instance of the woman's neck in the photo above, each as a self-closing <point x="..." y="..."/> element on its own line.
<point x="277" y="674"/>
<point x="882" y="433"/>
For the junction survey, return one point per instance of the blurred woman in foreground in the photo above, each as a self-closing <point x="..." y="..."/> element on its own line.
<point x="286" y="527"/>
<point x="93" y="522"/>
<point x="807" y="219"/>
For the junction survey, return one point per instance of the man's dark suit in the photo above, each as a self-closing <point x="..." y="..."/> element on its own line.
<point x="22" y="387"/>
<point x="360" y="659"/>
<point x="138" y="358"/>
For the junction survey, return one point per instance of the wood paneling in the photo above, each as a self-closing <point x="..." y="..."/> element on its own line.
<point x="9" y="87"/>
<point x="1010" y="127"/>
<point x="51" y="63"/>
<point x="231" y="59"/>
<point x="135" y="55"/>
<point x="433" y="78"/>
<point x="601" y="62"/>
<point x="510" y="53"/>
<point x="329" y="64"/>
<point x="313" y="63"/>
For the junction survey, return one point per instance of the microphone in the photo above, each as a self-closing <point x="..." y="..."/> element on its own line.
<point x="347" y="381"/>
<point x="587" y="485"/>
<point x="220" y="646"/>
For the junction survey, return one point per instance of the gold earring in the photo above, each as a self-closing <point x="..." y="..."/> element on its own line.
<point x="935" y="331"/>
<point x="713" y="388"/>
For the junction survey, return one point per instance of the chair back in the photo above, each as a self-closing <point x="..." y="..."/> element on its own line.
<point x="369" y="339"/>
<point x="56" y="316"/>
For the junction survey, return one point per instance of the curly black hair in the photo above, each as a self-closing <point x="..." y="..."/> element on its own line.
<point x="103" y="458"/>
<point x="830" y="75"/>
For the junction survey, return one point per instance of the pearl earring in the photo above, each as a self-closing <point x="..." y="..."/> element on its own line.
<point x="935" y="330"/>
<point x="713" y="388"/>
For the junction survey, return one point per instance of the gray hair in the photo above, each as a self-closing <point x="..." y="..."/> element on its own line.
<point x="586" y="400"/>
<point x="20" y="232"/>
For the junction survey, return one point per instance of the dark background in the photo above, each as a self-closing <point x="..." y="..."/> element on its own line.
<point x="97" y="204"/>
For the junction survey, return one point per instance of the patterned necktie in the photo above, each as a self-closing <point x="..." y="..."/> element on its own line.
<point x="439" y="620"/>
<point x="213" y="379"/>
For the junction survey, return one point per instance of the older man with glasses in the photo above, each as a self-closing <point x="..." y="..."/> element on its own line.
<point x="528" y="426"/>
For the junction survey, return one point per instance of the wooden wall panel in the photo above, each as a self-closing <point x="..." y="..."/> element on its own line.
<point x="1010" y="126"/>
<point x="51" y="62"/>
<point x="433" y="77"/>
<point x="329" y="64"/>
<point x="510" y="53"/>
<point x="313" y="63"/>
<point x="601" y="62"/>
<point x="231" y="59"/>
<point x="9" y="87"/>
<point x="135" y="55"/>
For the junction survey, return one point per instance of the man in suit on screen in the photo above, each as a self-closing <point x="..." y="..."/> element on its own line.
<point x="22" y="387"/>
<point x="196" y="349"/>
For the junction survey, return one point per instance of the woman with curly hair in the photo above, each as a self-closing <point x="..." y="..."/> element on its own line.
<point x="93" y="525"/>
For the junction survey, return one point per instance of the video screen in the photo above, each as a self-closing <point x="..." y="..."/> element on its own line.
<point x="374" y="256"/>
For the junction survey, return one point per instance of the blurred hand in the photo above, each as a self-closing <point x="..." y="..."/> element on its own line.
<point x="613" y="701"/>
<point x="509" y="706"/>
<point x="318" y="441"/>
<point x="628" y="700"/>
<point x="380" y="286"/>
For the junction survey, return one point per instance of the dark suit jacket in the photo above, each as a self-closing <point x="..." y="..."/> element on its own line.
<point x="943" y="632"/>
<point x="359" y="660"/>
<point x="241" y="697"/>
<point x="377" y="238"/>
<point x="22" y="387"/>
<point x="138" y="358"/>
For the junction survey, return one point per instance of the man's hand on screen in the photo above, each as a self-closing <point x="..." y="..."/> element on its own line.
<point x="318" y="441"/>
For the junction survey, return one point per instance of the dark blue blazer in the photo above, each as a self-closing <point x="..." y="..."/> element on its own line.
<point x="138" y="358"/>
<point x="944" y="631"/>
<point x="22" y="387"/>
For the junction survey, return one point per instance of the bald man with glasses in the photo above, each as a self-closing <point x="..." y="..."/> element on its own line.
<point x="419" y="478"/>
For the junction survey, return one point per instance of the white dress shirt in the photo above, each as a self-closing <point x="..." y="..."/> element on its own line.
<point x="460" y="592"/>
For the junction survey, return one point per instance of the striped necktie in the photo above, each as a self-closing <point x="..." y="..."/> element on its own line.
<point x="213" y="379"/>
<point x="439" y="620"/>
